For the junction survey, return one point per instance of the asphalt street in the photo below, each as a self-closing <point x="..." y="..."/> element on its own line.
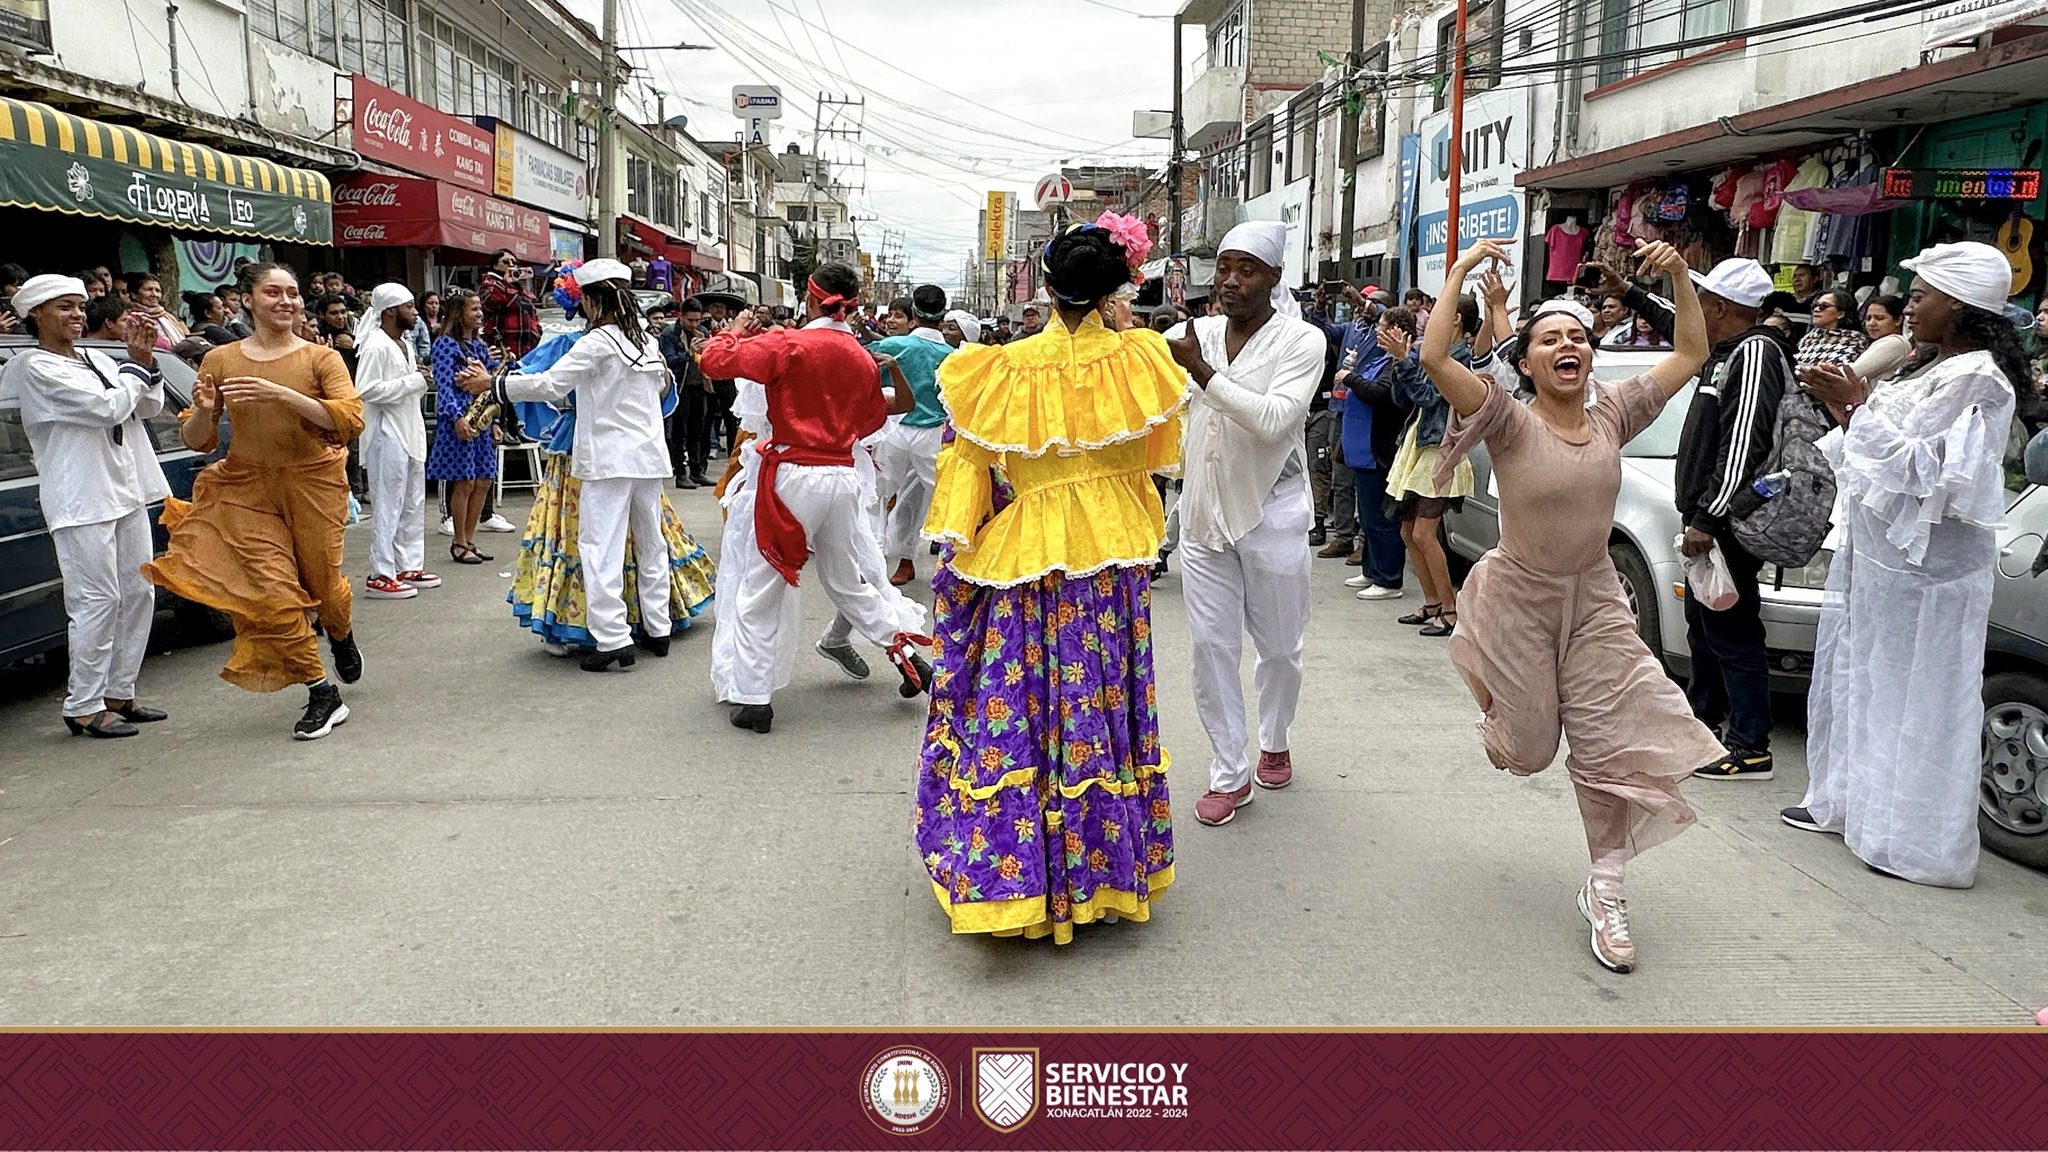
<point x="497" y="838"/>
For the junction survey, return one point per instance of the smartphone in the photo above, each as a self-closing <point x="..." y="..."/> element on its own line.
<point x="1590" y="276"/>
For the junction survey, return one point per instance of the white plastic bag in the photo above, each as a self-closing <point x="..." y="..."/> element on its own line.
<point x="1707" y="579"/>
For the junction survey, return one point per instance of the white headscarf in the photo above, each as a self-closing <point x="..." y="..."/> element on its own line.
<point x="1971" y="272"/>
<point x="1266" y="242"/>
<point x="970" y="328"/>
<point x="383" y="299"/>
<point x="39" y="290"/>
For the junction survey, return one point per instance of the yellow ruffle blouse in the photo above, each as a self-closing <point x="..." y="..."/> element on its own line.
<point x="1076" y="422"/>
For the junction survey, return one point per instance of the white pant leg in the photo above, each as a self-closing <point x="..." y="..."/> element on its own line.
<point x="846" y="558"/>
<point x="412" y="526"/>
<point x="753" y="647"/>
<point x="917" y="463"/>
<point x="89" y="561"/>
<point x="133" y="547"/>
<point x="650" y="556"/>
<point x="601" y="543"/>
<point x="388" y="468"/>
<point x="1276" y="560"/>
<point x="1212" y="583"/>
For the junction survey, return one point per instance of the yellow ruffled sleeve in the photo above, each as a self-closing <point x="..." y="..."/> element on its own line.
<point x="963" y="493"/>
<point x="1162" y="447"/>
<point x="1088" y="388"/>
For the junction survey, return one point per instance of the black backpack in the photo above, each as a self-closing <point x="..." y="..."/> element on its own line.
<point x="1788" y="528"/>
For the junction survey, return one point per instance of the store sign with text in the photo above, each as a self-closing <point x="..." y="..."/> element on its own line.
<point x="1959" y="21"/>
<point x="401" y="212"/>
<point x="533" y="172"/>
<point x="1491" y="207"/>
<point x="26" y="22"/>
<point x="395" y="129"/>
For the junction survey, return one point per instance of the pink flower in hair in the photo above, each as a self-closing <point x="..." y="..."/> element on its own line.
<point x="1130" y="234"/>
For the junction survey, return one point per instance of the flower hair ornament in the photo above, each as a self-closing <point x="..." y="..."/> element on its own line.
<point x="568" y="293"/>
<point x="1126" y="232"/>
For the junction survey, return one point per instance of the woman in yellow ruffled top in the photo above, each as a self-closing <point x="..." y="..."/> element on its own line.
<point x="1041" y="794"/>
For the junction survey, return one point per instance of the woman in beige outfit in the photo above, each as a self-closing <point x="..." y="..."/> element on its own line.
<point x="1546" y="641"/>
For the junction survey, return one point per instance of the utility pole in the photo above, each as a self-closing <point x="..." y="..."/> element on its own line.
<point x="1173" y="162"/>
<point x="1347" y="148"/>
<point x="607" y="142"/>
<point x="1457" y="151"/>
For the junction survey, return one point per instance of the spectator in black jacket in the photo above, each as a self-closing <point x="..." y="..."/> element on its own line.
<point x="689" y="441"/>
<point x="1729" y="432"/>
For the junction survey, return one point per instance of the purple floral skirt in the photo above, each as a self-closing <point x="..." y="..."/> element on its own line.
<point x="1041" y="792"/>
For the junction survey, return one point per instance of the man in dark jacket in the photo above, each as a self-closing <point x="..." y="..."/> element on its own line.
<point x="1728" y="436"/>
<point x="689" y="441"/>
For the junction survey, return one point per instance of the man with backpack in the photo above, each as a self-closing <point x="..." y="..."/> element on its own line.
<point x="1731" y="436"/>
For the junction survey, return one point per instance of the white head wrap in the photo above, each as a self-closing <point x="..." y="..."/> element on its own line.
<point x="591" y="271"/>
<point x="1974" y="273"/>
<point x="1266" y="242"/>
<point x="383" y="299"/>
<point x="1567" y="307"/>
<point x="970" y="328"/>
<point x="39" y="290"/>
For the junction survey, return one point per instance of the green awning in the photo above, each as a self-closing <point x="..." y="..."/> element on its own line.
<point x="63" y="163"/>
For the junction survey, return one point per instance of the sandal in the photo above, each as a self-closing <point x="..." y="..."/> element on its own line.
<point x="465" y="554"/>
<point x="1428" y="613"/>
<point x="1446" y="623"/>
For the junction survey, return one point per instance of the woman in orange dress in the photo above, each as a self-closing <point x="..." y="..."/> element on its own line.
<point x="261" y="540"/>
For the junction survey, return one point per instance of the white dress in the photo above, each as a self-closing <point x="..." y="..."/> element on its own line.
<point x="1896" y="708"/>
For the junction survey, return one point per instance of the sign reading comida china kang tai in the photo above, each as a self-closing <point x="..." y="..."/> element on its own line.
<point x="395" y="129"/>
<point x="373" y="211"/>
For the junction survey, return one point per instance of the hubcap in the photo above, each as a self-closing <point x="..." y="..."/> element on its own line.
<point x="2014" y="788"/>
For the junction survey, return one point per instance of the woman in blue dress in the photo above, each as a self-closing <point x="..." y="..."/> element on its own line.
<point x="465" y="462"/>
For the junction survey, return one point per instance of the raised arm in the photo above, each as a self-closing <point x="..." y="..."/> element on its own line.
<point x="744" y="349"/>
<point x="1465" y="389"/>
<point x="1689" y="347"/>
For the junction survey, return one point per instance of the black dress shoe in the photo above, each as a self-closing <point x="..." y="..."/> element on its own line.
<point x="100" y="727"/>
<point x="652" y="645"/>
<point x="348" y="659"/>
<point x="758" y="717"/>
<point x="599" y="661"/>
<point x="917" y="677"/>
<point x="700" y="480"/>
<point x="1317" y="538"/>
<point x="136" y="714"/>
<point x="686" y="483"/>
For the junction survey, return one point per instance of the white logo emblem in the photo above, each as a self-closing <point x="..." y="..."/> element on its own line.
<point x="79" y="181"/>
<point x="299" y="219"/>
<point x="905" y="1090"/>
<point x="1005" y="1086"/>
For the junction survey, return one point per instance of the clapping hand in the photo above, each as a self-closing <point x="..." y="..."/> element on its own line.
<point x="1493" y="288"/>
<point x="140" y="336"/>
<point x="1393" y="341"/>
<point x="746" y="323"/>
<point x="206" y="394"/>
<point x="1187" y="352"/>
<point x="1837" y="385"/>
<point x="251" y="390"/>
<point x="474" y="378"/>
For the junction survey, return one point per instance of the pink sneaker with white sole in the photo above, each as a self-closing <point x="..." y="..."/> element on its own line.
<point x="1276" y="770"/>
<point x="1217" y="808"/>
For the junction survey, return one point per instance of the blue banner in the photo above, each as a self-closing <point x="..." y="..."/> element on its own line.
<point x="1497" y="219"/>
<point x="1410" y="181"/>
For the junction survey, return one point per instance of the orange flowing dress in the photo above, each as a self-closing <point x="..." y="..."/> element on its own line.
<point x="261" y="539"/>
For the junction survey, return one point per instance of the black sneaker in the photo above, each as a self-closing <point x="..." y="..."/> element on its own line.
<point x="1803" y="820"/>
<point x="848" y="660"/>
<point x="686" y="484"/>
<point x="1738" y="764"/>
<point x="348" y="659"/>
<point x="324" y="713"/>
<point x="758" y="717"/>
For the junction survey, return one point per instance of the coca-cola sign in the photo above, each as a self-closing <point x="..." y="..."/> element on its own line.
<point x="380" y="194"/>
<point x="364" y="234"/>
<point x="392" y="128"/>
<point x="373" y="211"/>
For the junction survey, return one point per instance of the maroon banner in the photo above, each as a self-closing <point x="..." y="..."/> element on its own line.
<point x="1023" y="1090"/>
<point x="372" y="211"/>
<point x="395" y="129"/>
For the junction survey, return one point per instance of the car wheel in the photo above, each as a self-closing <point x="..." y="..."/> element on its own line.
<point x="2012" y="795"/>
<point x="199" y="624"/>
<point x="1639" y="588"/>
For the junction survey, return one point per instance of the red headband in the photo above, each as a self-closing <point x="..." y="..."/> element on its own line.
<point x="829" y="303"/>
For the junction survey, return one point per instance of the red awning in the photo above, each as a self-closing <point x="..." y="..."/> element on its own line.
<point x="373" y="211"/>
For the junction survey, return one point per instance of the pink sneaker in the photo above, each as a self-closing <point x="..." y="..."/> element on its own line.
<point x="420" y="579"/>
<point x="1276" y="770"/>
<point x="1216" y="808"/>
<point x="385" y="588"/>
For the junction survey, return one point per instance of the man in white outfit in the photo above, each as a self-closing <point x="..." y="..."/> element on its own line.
<point x="1245" y="508"/>
<point x="394" y="445"/>
<point x="621" y="455"/>
<point x="84" y="418"/>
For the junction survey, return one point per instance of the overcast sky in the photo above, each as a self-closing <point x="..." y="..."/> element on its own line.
<point x="991" y="94"/>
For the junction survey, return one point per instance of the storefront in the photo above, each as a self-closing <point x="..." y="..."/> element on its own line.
<point x="639" y="240"/>
<point x="87" y="191"/>
<point x="1975" y="179"/>
<point x="452" y="226"/>
<point x="539" y="175"/>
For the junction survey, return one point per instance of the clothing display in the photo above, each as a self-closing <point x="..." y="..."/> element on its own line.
<point x="1042" y="797"/>
<point x="1896" y="710"/>
<point x="1567" y="250"/>
<point x="1795" y="225"/>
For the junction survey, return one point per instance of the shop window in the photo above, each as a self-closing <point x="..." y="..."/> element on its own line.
<point x="365" y="36"/>
<point x="1482" y="50"/>
<point x="1632" y="31"/>
<point x="1372" y="111"/>
<point x="464" y="76"/>
<point x="1226" y="40"/>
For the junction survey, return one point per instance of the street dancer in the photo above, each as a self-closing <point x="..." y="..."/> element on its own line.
<point x="84" y="419"/>
<point x="261" y="539"/>
<point x="821" y="395"/>
<point x="620" y="456"/>
<point x="1546" y="641"/>
<point x="908" y="455"/>
<point x="1246" y="509"/>
<point x="394" y="442"/>
<point x="1041" y="791"/>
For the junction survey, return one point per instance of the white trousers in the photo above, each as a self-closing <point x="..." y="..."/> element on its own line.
<point x="739" y="557"/>
<point x="110" y="606"/>
<point x="1260" y="585"/>
<point x="608" y="510"/>
<point x="398" y="511"/>
<point x="909" y="460"/>
<point x="844" y="558"/>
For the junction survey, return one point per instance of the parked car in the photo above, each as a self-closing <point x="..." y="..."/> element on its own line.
<point x="1642" y="543"/>
<point x="32" y="620"/>
<point x="2012" y="816"/>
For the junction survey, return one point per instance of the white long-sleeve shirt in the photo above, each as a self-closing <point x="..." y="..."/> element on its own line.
<point x="1245" y="428"/>
<point x="69" y="409"/>
<point x="618" y="390"/>
<point x="390" y="382"/>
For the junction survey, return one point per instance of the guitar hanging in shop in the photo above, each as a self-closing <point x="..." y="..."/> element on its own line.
<point x="2016" y="241"/>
